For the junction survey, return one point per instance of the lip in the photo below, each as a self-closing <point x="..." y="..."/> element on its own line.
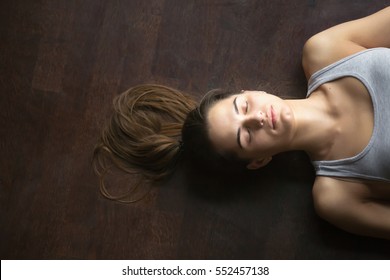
<point x="271" y="117"/>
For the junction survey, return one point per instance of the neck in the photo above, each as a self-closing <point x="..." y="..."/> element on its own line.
<point x="315" y="126"/>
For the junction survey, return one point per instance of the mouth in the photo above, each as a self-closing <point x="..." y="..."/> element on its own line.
<point x="272" y="117"/>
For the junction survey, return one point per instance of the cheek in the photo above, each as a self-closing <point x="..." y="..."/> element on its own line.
<point x="261" y="142"/>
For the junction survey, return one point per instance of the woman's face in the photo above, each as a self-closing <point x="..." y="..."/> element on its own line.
<point x="252" y="125"/>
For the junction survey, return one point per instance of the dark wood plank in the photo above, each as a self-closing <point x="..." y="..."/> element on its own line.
<point x="62" y="62"/>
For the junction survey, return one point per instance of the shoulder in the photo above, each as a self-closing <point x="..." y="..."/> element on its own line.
<point x="327" y="186"/>
<point x="331" y="195"/>
<point x="333" y="189"/>
<point x="345" y="39"/>
<point x="324" y="49"/>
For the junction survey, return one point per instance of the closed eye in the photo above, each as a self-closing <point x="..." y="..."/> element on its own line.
<point x="249" y="135"/>
<point x="245" y="110"/>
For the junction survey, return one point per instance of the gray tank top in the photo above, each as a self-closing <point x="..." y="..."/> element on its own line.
<point x="372" y="68"/>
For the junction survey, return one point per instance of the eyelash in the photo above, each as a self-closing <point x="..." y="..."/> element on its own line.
<point x="248" y="130"/>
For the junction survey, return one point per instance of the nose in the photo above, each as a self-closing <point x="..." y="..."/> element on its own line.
<point x="255" y="120"/>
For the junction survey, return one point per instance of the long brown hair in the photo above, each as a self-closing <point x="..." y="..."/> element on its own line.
<point x="143" y="134"/>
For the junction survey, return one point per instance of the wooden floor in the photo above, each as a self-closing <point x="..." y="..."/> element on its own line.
<point x="62" y="62"/>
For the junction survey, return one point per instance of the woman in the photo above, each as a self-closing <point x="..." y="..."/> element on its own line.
<point x="342" y="125"/>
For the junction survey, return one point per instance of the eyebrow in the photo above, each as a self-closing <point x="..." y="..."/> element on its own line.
<point x="239" y="129"/>
<point x="235" y="105"/>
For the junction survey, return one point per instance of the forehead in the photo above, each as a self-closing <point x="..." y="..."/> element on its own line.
<point x="222" y="126"/>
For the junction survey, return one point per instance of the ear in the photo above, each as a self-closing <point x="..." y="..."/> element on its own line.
<point x="258" y="163"/>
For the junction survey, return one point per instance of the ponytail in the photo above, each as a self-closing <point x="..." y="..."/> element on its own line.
<point x="143" y="135"/>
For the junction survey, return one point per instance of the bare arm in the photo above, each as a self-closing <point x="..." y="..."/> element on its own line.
<point x="358" y="207"/>
<point x="345" y="39"/>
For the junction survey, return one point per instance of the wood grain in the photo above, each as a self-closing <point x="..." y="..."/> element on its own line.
<point x="62" y="62"/>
